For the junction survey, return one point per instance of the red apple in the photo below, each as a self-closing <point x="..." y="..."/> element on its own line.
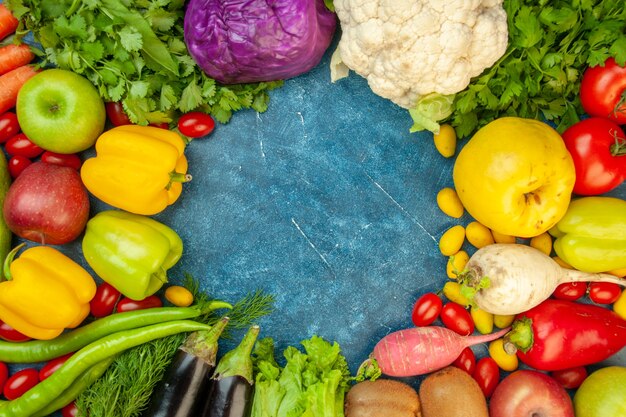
<point x="47" y="203"/>
<point x="529" y="393"/>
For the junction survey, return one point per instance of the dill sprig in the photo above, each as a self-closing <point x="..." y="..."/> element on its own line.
<point x="125" y="389"/>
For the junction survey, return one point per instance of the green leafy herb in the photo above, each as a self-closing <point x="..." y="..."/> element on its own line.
<point x="312" y="383"/>
<point x="126" y="387"/>
<point x="133" y="52"/>
<point x="551" y="43"/>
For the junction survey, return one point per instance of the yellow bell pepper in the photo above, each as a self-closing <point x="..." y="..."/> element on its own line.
<point x="139" y="169"/>
<point x="45" y="292"/>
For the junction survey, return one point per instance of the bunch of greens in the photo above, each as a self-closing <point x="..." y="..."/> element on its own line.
<point x="551" y="43"/>
<point x="126" y="387"/>
<point x="311" y="384"/>
<point x="133" y="52"/>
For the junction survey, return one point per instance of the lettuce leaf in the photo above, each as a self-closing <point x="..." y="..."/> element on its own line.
<point x="312" y="383"/>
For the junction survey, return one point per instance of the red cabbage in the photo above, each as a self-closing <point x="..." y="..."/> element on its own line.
<point x="244" y="41"/>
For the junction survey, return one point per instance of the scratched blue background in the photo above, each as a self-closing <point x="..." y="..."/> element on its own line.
<point x="326" y="201"/>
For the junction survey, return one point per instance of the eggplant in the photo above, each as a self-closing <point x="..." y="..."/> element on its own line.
<point x="182" y="391"/>
<point x="232" y="385"/>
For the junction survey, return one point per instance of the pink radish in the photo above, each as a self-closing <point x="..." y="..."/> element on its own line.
<point x="421" y="350"/>
<point x="513" y="278"/>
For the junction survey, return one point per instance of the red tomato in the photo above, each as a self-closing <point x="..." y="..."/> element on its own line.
<point x="4" y="375"/>
<point x="20" y="382"/>
<point x="126" y="304"/>
<point x="52" y="365"/>
<point x="116" y="114"/>
<point x="466" y="361"/>
<point x="602" y="91"/>
<point x="21" y="145"/>
<point x="604" y="292"/>
<point x="9" y="126"/>
<point x="598" y="149"/>
<point x="570" y="378"/>
<point x="103" y="303"/>
<point x="196" y="124"/>
<point x="71" y="160"/>
<point x="487" y="374"/>
<point x="17" y="164"/>
<point x="69" y="410"/>
<point x="426" y="309"/>
<point x="163" y="125"/>
<point x="455" y="317"/>
<point x="571" y="291"/>
<point x="9" y="334"/>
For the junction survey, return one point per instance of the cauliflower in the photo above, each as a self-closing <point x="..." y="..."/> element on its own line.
<point x="411" y="50"/>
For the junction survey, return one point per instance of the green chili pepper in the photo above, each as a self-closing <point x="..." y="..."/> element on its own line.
<point x="591" y="236"/>
<point x="130" y="251"/>
<point x="43" y="350"/>
<point x="50" y="388"/>
<point x="80" y="384"/>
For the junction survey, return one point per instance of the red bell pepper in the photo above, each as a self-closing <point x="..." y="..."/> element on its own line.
<point x="561" y="334"/>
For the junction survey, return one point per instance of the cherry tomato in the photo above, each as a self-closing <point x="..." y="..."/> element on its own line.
<point x="126" y="304"/>
<point x="598" y="149"/>
<point x="4" y="375"/>
<point x="9" y="126"/>
<point x="116" y="114"/>
<point x="103" y="303"/>
<point x="20" y="382"/>
<point x="163" y="125"/>
<point x="602" y="91"/>
<point x="426" y="309"/>
<point x="71" y="160"/>
<point x="70" y="410"/>
<point x="604" y="292"/>
<point x="9" y="334"/>
<point x="466" y="361"/>
<point x="571" y="291"/>
<point x="196" y="124"/>
<point x="487" y="374"/>
<point x="16" y="164"/>
<point x="570" y="378"/>
<point x="455" y="317"/>
<point x="52" y="365"/>
<point x="21" y="145"/>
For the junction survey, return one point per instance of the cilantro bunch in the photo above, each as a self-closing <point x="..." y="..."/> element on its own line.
<point x="551" y="43"/>
<point x="133" y="52"/>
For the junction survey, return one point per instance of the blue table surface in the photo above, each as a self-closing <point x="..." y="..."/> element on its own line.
<point x="325" y="201"/>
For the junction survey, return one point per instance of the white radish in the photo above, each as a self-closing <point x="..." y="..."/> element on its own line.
<point x="512" y="278"/>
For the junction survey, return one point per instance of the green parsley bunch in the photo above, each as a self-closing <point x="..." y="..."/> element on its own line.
<point x="133" y="52"/>
<point x="551" y="43"/>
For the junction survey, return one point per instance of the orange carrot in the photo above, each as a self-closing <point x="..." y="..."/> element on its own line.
<point x="14" y="56"/>
<point x="10" y="84"/>
<point x="8" y="22"/>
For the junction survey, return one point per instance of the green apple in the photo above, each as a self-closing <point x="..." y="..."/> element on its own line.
<point x="602" y="394"/>
<point x="60" y="111"/>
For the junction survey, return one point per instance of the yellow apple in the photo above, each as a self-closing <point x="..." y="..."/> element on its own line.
<point x="515" y="176"/>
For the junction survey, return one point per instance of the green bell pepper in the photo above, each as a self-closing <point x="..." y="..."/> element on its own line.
<point x="130" y="251"/>
<point x="591" y="237"/>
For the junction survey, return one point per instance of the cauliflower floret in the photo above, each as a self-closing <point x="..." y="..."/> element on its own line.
<point x="407" y="49"/>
